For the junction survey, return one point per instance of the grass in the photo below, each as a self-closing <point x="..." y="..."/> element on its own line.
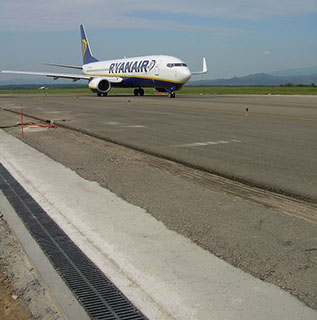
<point x="185" y="90"/>
<point x="250" y="90"/>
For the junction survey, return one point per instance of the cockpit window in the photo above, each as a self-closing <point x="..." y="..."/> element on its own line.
<point x="171" y="65"/>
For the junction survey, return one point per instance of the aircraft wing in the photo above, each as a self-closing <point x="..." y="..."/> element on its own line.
<point x="63" y="66"/>
<point x="74" y="77"/>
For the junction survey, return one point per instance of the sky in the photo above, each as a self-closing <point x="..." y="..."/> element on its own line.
<point x="237" y="37"/>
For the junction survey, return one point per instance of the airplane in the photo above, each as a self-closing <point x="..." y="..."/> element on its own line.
<point x="162" y="72"/>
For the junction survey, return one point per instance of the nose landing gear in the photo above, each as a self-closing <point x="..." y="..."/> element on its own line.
<point x="171" y="94"/>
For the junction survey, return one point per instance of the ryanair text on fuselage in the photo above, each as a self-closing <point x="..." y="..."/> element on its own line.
<point x="132" y="66"/>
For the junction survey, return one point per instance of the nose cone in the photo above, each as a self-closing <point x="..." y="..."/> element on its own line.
<point x="184" y="75"/>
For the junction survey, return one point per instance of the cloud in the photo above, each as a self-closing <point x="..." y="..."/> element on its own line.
<point x="267" y="52"/>
<point x="33" y="15"/>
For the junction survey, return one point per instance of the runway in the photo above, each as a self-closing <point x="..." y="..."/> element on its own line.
<point x="264" y="141"/>
<point x="265" y="234"/>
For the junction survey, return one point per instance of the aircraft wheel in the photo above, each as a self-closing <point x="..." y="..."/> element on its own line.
<point x="99" y="94"/>
<point x="105" y="94"/>
<point x="136" y="92"/>
<point x="171" y="94"/>
<point x="141" y="92"/>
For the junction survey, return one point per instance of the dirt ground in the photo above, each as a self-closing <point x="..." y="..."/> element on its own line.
<point x="22" y="293"/>
<point x="10" y="305"/>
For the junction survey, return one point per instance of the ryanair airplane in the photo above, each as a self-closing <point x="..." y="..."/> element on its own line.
<point x="164" y="73"/>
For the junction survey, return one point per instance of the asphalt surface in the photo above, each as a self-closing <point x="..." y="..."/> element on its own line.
<point x="272" y="146"/>
<point x="271" y="236"/>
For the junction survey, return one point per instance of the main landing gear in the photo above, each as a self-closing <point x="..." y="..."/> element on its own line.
<point x="99" y="94"/>
<point x="171" y="94"/>
<point x="138" y="91"/>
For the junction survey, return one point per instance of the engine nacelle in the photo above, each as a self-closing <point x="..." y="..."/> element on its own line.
<point x="100" y="84"/>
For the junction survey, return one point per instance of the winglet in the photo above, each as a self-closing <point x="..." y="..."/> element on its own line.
<point x="87" y="56"/>
<point x="205" y="68"/>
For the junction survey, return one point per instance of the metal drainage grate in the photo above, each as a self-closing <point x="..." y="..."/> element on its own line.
<point x="97" y="294"/>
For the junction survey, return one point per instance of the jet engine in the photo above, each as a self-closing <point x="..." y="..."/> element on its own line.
<point x="100" y="84"/>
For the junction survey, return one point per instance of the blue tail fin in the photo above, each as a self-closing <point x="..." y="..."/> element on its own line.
<point x="87" y="56"/>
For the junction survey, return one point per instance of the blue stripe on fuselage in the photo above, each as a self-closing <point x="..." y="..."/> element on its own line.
<point x="133" y="82"/>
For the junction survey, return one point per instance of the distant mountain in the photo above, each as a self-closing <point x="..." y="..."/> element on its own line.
<point x="258" y="79"/>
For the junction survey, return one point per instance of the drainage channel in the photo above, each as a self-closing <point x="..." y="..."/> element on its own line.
<point x="96" y="293"/>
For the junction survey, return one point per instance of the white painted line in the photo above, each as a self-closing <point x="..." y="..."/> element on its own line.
<point x="35" y="129"/>
<point x="134" y="126"/>
<point x="163" y="273"/>
<point x="207" y="143"/>
<point x="112" y="123"/>
<point x="195" y="144"/>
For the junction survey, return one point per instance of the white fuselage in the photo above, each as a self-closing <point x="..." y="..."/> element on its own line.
<point x="148" y="71"/>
